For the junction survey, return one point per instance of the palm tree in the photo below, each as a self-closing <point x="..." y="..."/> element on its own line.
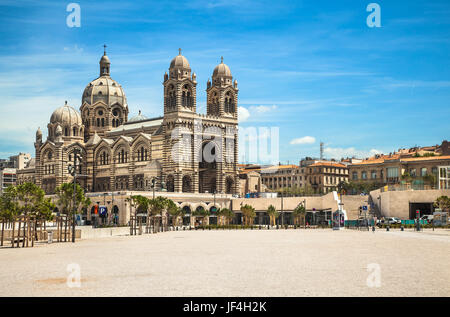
<point x="201" y="212"/>
<point x="273" y="214"/>
<point x="300" y="213"/>
<point x="226" y="214"/>
<point x="248" y="212"/>
<point x="157" y="206"/>
<point x="141" y="203"/>
<point x="175" y="212"/>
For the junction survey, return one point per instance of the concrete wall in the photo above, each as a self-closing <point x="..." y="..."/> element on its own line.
<point x="88" y="232"/>
<point x="396" y="203"/>
<point x="351" y="203"/>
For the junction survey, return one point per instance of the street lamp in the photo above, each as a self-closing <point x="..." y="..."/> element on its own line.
<point x="73" y="171"/>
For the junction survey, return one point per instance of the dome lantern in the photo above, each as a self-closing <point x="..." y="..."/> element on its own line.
<point x="104" y="63"/>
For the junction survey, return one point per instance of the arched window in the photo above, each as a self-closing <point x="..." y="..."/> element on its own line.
<point x="74" y="131"/>
<point x="229" y="103"/>
<point x="171" y="98"/>
<point x="186" y="96"/>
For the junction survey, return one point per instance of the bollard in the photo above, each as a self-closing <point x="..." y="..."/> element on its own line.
<point x="402" y="228"/>
<point x="387" y="228"/>
<point x="50" y="236"/>
<point x="259" y="227"/>
<point x="268" y="227"/>
<point x="373" y="229"/>
<point x="277" y="227"/>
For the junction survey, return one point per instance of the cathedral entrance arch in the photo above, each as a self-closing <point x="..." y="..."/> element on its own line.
<point x="208" y="158"/>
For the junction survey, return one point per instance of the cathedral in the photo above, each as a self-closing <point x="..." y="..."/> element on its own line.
<point x="181" y="151"/>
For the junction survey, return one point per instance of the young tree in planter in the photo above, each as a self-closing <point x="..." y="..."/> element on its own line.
<point x="300" y="213"/>
<point x="45" y="209"/>
<point x="273" y="214"/>
<point x="248" y="212"/>
<point x="64" y="194"/>
<point x="29" y="196"/>
<point x="9" y="206"/>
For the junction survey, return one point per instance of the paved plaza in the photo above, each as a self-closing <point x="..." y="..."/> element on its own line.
<point x="290" y="262"/>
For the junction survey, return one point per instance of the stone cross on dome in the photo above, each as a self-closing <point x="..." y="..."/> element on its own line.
<point x="104" y="49"/>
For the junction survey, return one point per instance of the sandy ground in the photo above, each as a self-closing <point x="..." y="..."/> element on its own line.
<point x="236" y="263"/>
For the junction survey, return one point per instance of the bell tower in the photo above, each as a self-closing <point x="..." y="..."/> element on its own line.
<point x="180" y="86"/>
<point x="222" y="92"/>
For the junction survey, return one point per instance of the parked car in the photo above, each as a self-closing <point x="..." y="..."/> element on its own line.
<point x="389" y="220"/>
<point x="427" y="218"/>
<point x="394" y="220"/>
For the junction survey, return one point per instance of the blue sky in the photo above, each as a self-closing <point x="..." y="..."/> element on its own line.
<point x="312" y="68"/>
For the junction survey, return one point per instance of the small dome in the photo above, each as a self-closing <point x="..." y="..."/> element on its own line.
<point x="138" y="117"/>
<point x="66" y="116"/>
<point x="179" y="61"/>
<point x="222" y="70"/>
<point x="105" y="60"/>
<point x="39" y="132"/>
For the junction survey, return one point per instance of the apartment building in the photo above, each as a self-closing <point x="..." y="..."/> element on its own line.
<point x="9" y="167"/>
<point x="324" y="176"/>
<point x="420" y="166"/>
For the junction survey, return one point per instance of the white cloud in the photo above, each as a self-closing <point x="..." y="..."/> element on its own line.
<point x="262" y="109"/>
<point x="338" y="153"/>
<point x="74" y="49"/>
<point x="243" y="114"/>
<point x="304" y="140"/>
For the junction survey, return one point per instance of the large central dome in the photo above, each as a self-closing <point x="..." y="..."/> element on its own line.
<point x="104" y="89"/>
<point x="103" y="104"/>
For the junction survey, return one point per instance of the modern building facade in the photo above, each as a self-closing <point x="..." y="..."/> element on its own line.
<point x="8" y="168"/>
<point x="7" y="178"/>
<point x="181" y="151"/>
